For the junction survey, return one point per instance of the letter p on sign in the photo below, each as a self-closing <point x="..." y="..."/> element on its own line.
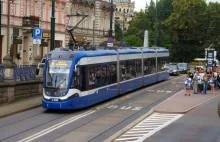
<point x="37" y="33"/>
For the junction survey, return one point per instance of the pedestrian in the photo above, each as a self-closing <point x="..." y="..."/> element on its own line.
<point x="191" y="76"/>
<point x="215" y="78"/>
<point x="205" y="82"/>
<point x="187" y="85"/>
<point x="200" y="85"/>
<point x="19" y="59"/>
<point x="195" y="82"/>
<point x="211" y="83"/>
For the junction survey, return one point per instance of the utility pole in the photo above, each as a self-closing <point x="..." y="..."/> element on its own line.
<point x="111" y="19"/>
<point x="1" y="18"/>
<point x="9" y="26"/>
<point x="123" y="25"/>
<point x="156" y="30"/>
<point x="93" y="20"/>
<point x="52" y="27"/>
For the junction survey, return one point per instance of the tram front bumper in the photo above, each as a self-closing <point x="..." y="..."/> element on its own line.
<point x="67" y="104"/>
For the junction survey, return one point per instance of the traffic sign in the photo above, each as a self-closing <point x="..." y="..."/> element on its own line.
<point x="37" y="33"/>
<point x="36" y="41"/>
<point x="110" y="42"/>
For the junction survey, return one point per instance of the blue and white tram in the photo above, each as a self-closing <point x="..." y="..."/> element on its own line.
<point x="77" y="79"/>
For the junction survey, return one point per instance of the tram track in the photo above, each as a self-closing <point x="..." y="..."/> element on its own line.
<point x="122" y="99"/>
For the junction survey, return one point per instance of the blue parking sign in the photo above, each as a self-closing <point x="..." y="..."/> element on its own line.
<point x="37" y="33"/>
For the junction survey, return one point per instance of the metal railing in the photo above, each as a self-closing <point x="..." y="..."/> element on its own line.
<point x="24" y="72"/>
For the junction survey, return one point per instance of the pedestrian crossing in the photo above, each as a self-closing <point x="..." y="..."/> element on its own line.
<point x="148" y="127"/>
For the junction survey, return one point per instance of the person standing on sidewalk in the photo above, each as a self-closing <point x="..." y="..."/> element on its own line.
<point x="200" y="85"/>
<point x="195" y="82"/>
<point x="205" y="82"/>
<point x="187" y="85"/>
<point x="211" y="83"/>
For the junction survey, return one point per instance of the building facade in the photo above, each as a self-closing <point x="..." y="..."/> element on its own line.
<point x="27" y="14"/>
<point x="124" y="13"/>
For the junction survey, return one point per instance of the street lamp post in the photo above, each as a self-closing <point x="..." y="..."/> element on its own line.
<point x="52" y="29"/>
<point x="156" y="29"/>
<point x="111" y="19"/>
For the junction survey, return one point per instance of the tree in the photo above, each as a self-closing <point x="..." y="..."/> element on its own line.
<point x="118" y="32"/>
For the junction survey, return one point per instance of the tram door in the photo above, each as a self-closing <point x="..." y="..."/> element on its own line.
<point x="84" y="78"/>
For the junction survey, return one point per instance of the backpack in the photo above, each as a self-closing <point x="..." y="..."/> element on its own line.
<point x="187" y="82"/>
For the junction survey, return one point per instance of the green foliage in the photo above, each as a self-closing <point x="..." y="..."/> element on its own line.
<point x="186" y="27"/>
<point x="118" y="32"/>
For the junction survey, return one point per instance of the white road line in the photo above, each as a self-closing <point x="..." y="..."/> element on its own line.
<point x="52" y="128"/>
<point x="150" y="90"/>
<point x="143" y="130"/>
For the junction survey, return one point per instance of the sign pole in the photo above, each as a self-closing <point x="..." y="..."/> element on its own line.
<point x="52" y="27"/>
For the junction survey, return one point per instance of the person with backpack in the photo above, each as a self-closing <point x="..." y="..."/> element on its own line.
<point x="187" y="85"/>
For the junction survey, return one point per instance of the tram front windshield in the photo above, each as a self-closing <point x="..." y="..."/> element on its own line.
<point x="57" y="74"/>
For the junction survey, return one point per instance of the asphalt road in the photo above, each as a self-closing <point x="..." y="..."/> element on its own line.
<point x="202" y="124"/>
<point x="92" y="124"/>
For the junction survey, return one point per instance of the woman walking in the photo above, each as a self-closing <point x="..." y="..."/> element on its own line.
<point x="211" y="83"/>
<point x="187" y="85"/>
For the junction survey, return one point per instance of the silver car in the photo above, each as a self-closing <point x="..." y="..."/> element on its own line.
<point x="173" y="69"/>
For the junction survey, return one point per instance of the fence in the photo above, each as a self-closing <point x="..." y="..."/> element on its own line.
<point x="2" y="72"/>
<point x="25" y="72"/>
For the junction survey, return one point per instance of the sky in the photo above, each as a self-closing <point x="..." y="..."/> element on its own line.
<point x="140" y="4"/>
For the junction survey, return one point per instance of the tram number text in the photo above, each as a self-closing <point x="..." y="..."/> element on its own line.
<point x="125" y="107"/>
<point x="55" y="99"/>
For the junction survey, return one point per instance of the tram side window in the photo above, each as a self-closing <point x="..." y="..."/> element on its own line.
<point x="130" y="69"/>
<point x="161" y="62"/>
<point x="100" y="75"/>
<point x="149" y="66"/>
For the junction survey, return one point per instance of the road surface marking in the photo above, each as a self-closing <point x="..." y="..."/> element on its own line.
<point x="54" y="127"/>
<point x="148" y="127"/>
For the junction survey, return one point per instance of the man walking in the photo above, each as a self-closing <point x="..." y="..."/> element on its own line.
<point x="195" y="82"/>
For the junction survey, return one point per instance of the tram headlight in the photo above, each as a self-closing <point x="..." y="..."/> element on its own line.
<point x="63" y="94"/>
<point x="47" y="93"/>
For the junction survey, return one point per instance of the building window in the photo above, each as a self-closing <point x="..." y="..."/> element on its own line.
<point x="116" y="9"/>
<point x="124" y="10"/>
<point x="127" y="10"/>
<point x="125" y="19"/>
<point x="119" y="9"/>
<point x="58" y="43"/>
<point x="2" y="10"/>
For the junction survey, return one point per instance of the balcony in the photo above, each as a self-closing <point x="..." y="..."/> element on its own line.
<point x="30" y="22"/>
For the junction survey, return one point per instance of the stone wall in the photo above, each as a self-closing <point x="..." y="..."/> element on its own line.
<point x="13" y="90"/>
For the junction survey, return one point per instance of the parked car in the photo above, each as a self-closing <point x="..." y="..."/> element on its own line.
<point x="173" y="69"/>
<point x="183" y="67"/>
<point x="40" y="65"/>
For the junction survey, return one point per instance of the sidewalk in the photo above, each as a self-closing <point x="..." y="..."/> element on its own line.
<point x="179" y="103"/>
<point x="20" y="105"/>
